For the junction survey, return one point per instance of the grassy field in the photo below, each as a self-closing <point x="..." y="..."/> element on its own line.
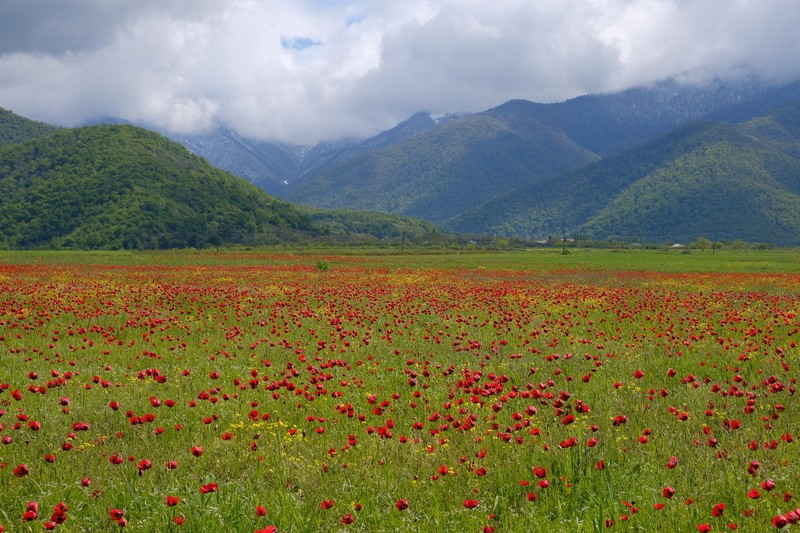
<point x="299" y="390"/>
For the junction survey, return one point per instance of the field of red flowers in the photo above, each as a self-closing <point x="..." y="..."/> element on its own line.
<point x="290" y="393"/>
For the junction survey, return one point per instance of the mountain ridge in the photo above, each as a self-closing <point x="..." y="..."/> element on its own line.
<point x="735" y="181"/>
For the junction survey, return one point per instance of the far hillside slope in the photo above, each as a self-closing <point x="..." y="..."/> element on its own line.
<point x="444" y="171"/>
<point x="705" y="179"/>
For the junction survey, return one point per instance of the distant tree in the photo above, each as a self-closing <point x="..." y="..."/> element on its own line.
<point x="702" y="243"/>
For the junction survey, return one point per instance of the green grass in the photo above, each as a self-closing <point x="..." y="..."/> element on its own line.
<point x="503" y="342"/>
<point x="785" y="260"/>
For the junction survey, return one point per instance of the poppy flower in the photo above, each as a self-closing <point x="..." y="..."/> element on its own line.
<point x="208" y="488"/>
<point x="172" y="501"/>
<point x="718" y="509"/>
<point x="327" y="504"/>
<point x="668" y="492"/>
<point x="261" y="510"/>
<point x="471" y="504"/>
<point x="21" y="470"/>
<point x="703" y="528"/>
<point x="754" y="494"/>
<point x="197" y="451"/>
<point x="401" y="505"/>
<point x="348" y="519"/>
<point x="116" y="514"/>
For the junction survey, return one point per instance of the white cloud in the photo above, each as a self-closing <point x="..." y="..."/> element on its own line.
<point x="308" y="70"/>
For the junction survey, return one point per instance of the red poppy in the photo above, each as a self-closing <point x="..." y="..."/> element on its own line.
<point x="208" y="488"/>
<point x="197" y="451"/>
<point x="471" y="504"/>
<point x="718" y="509"/>
<point x="348" y="519"/>
<point x="703" y="528"/>
<point x="116" y="514"/>
<point x="753" y="494"/>
<point x="172" y="501"/>
<point x="327" y="504"/>
<point x="668" y="492"/>
<point x="401" y="505"/>
<point x="261" y="510"/>
<point x="21" y="470"/>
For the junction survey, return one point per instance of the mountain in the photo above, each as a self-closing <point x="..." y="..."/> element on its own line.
<point x="443" y="171"/>
<point x="125" y="187"/>
<point x="703" y="179"/>
<point x="15" y="129"/>
<point x="279" y="168"/>
<point x="448" y="170"/>
<point x="264" y="164"/>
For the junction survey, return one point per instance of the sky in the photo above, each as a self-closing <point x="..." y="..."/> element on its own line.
<point x="304" y="71"/>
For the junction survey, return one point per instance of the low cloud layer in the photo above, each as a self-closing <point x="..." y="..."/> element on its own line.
<point x="311" y="70"/>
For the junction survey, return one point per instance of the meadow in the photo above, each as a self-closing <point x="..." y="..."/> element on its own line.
<point x="298" y="391"/>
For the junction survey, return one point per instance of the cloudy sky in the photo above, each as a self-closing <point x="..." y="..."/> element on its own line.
<point x="308" y="70"/>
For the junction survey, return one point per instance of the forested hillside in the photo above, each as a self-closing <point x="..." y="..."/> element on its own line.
<point x="446" y="170"/>
<point x="125" y="187"/>
<point x="705" y="179"/>
<point x="15" y="129"/>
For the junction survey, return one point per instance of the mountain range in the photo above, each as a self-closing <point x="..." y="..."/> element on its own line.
<point x="672" y="161"/>
<point x="124" y="187"/>
<point x="533" y="170"/>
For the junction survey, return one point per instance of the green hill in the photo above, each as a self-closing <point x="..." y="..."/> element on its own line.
<point x="705" y="179"/>
<point x="125" y="187"/>
<point x="16" y="129"/>
<point x="446" y="170"/>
